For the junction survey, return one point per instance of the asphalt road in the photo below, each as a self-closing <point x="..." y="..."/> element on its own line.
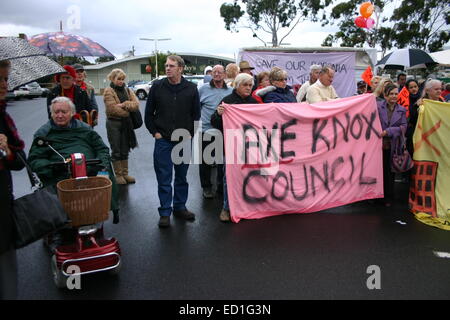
<point x="323" y="255"/>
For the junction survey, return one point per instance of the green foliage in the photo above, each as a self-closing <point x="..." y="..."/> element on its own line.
<point x="422" y="24"/>
<point x="103" y="59"/>
<point x="231" y="13"/>
<point x="162" y="57"/>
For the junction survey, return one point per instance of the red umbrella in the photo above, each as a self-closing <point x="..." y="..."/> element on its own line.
<point x="66" y="44"/>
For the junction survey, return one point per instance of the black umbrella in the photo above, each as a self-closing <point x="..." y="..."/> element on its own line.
<point x="28" y="63"/>
<point x="406" y="59"/>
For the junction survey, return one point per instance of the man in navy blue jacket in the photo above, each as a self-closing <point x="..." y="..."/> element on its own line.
<point x="173" y="103"/>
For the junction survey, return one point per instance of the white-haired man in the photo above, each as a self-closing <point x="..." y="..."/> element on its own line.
<point x="322" y="90"/>
<point x="314" y="71"/>
<point x="211" y="94"/>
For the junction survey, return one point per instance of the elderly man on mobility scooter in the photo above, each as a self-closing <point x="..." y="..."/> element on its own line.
<point x="68" y="136"/>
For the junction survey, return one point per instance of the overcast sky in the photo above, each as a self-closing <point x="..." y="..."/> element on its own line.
<point x="193" y="25"/>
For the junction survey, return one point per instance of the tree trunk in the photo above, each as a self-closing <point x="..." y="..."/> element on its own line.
<point x="274" y="32"/>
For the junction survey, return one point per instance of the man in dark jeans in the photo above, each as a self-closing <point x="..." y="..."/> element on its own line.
<point x="211" y="94"/>
<point x="173" y="103"/>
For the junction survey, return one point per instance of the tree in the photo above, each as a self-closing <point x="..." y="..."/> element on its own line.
<point x="270" y="16"/>
<point x="421" y="24"/>
<point x="162" y="57"/>
<point x="103" y="59"/>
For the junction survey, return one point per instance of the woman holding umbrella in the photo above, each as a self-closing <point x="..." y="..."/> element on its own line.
<point x="20" y="63"/>
<point x="10" y="146"/>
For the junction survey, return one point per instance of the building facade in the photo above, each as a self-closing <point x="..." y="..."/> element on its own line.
<point x="135" y="68"/>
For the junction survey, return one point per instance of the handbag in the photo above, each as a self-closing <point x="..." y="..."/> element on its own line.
<point x="401" y="160"/>
<point x="37" y="214"/>
<point x="136" y="119"/>
<point x="135" y="116"/>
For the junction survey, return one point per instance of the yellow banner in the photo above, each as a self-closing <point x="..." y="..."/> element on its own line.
<point x="429" y="197"/>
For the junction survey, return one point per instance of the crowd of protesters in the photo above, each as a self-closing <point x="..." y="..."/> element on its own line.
<point x="175" y="103"/>
<point x="271" y="86"/>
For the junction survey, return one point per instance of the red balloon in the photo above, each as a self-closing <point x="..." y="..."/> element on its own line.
<point x="148" y="68"/>
<point x="361" y="22"/>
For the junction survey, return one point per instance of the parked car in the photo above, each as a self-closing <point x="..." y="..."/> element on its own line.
<point x="34" y="90"/>
<point x="21" y="93"/>
<point x="132" y="83"/>
<point x="141" y="90"/>
<point x="45" y="92"/>
<point x="197" y="79"/>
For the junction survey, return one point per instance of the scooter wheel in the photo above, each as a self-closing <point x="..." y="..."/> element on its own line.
<point x="58" y="277"/>
<point x="116" y="270"/>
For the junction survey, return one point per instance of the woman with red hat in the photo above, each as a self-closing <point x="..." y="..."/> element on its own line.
<point x="66" y="87"/>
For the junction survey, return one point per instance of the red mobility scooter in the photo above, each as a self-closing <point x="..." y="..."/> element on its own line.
<point x="87" y="201"/>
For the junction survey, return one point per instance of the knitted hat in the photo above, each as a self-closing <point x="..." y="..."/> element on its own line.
<point x="70" y="71"/>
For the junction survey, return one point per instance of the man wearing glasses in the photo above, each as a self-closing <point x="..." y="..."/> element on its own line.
<point x="322" y="90"/>
<point x="211" y="94"/>
<point x="172" y="103"/>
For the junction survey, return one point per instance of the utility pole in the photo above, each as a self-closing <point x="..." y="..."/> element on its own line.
<point x="156" y="50"/>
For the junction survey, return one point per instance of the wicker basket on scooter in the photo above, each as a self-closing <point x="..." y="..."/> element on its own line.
<point x="86" y="201"/>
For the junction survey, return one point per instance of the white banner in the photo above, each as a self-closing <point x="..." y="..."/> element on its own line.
<point x="297" y="66"/>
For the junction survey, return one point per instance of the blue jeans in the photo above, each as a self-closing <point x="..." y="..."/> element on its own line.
<point x="164" y="166"/>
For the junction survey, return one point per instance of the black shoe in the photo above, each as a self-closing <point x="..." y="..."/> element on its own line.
<point x="185" y="214"/>
<point x="164" y="221"/>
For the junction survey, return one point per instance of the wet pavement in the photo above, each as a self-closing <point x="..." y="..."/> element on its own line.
<point x="322" y="255"/>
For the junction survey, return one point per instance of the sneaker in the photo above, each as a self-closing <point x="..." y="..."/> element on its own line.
<point x="164" y="221"/>
<point x="207" y="194"/>
<point x="224" y="215"/>
<point x="184" y="214"/>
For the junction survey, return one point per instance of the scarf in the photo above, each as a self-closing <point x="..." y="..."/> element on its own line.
<point x="121" y="92"/>
<point x="83" y="85"/>
<point x="8" y="126"/>
<point x="127" y="124"/>
<point x="68" y="93"/>
<point x="414" y="97"/>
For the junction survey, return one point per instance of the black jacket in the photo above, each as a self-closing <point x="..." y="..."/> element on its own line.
<point x="233" y="98"/>
<point x="81" y="99"/>
<point x="170" y="107"/>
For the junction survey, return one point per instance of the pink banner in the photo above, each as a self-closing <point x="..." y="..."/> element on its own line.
<point x="298" y="158"/>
